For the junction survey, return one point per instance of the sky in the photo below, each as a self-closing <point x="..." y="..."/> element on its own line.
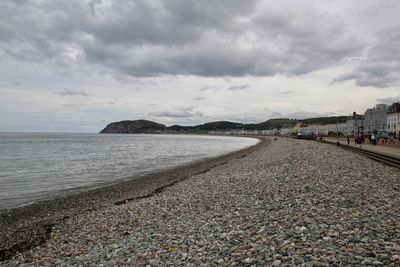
<point x="77" y="65"/>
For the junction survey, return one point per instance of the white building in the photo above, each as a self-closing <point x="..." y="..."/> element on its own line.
<point x="355" y="125"/>
<point x="393" y="119"/>
<point x="376" y="118"/>
<point x="286" y="130"/>
<point x="336" y="128"/>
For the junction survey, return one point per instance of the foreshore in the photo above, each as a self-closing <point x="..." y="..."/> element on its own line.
<point x="28" y="226"/>
<point x="281" y="203"/>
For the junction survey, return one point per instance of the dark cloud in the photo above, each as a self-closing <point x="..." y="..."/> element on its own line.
<point x="69" y="92"/>
<point x="185" y="112"/>
<point x="239" y="87"/>
<point x="381" y="65"/>
<point x="389" y="100"/>
<point x="174" y="37"/>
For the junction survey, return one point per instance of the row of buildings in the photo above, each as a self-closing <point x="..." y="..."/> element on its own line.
<point x="380" y="119"/>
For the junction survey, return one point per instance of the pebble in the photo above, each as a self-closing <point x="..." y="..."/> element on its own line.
<point x="291" y="203"/>
<point x="276" y="263"/>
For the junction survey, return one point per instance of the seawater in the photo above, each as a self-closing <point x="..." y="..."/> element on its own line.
<point x="40" y="166"/>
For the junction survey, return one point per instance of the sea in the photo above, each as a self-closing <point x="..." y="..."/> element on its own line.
<point x="37" y="166"/>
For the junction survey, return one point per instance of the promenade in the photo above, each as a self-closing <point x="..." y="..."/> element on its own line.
<point x="290" y="203"/>
<point x="384" y="148"/>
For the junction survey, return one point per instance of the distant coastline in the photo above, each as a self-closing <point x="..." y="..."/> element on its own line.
<point x="146" y="126"/>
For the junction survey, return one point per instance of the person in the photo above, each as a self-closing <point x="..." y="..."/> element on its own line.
<point x="373" y="141"/>
<point x="348" y="140"/>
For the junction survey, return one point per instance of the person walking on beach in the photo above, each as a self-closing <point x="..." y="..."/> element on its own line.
<point x="373" y="141"/>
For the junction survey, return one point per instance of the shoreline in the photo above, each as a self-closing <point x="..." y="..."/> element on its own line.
<point x="30" y="225"/>
<point x="288" y="203"/>
<point x="128" y="174"/>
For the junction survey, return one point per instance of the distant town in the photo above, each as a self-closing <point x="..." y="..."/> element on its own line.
<point x="382" y="120"/>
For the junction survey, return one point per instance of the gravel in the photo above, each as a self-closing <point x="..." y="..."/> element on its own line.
<point x="291" y="203"/>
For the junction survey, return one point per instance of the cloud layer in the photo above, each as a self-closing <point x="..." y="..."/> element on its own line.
<point x="145" y="38"/>
<point x="76" y="65"/>
<point x="381" y="65"/>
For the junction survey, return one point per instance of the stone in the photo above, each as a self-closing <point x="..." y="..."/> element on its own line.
<point x="276" y="262"/>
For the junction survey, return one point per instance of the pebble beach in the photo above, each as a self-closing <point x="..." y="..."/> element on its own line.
<point x="287" y="203"/>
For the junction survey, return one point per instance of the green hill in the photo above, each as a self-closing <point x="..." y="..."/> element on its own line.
<point x="145" y="126"/>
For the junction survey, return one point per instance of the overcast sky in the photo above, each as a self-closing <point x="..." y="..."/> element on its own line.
<point x="77" y="65"/>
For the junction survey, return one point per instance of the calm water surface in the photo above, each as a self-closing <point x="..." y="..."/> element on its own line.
<point x="40" y="166"/>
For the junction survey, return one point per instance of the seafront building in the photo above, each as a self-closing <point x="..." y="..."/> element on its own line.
<point x="355" y="125"/>
<point x="337" y="127"/>
<point x="380" y="118"/>
<point x="375" y="119"/>
<point x="393" y="119"/>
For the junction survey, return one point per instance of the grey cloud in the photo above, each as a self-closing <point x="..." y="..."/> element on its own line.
<point x="10" y="82"/>
<point x="381" y="65"/>
<point x="306" y="114"/>
<point x="271" y="114"/>
<point x="344" y="77"/>
<point x="185" y="112"/>
<point x="239" y="87"/>
<point x="247" y="117"/>
<point x="301" y="114"/>
<point x="69" y="92"/>
<point x="174" y="37"/>
<point x="206" y="88"/>
<point x="199" y="98"/>
<point x="389" y="100"/>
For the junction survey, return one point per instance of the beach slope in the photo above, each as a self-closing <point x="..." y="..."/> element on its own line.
<point x="291" y="202"/>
